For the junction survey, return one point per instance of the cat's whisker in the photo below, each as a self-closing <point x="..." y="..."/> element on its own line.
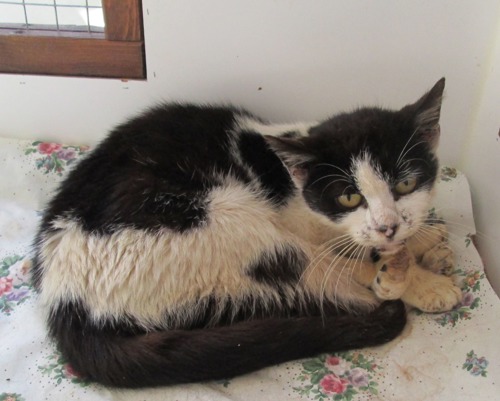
<point x="365" y="248"/>
<point x="358" y="258"/>
<point x="346" y="174"/>
<point x="447" y="222"/>
<point x="413" y="146"/>
<point x="333" y="248"/>
<point x="348" y="260"/>
<point x="427" y="234"/>
<point x="352" y="258"/>
<point x="333" y="182"/>
<point x="404" y="147"/>
<point x="341" y="252"/>
<point x="419" y="159"/>
<point x="465" y="227"/>
<point x="425" y="237"/>
<point x="432" y="230"/>
<point x="329" y="247"/>
<point x="332" y="243"/>
<point x="458" y="236"/>
<point x="432" y="250"/>
<point x="339" y="257"/>
<point x="340" y="178"/>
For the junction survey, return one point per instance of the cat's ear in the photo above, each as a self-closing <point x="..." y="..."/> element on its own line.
<point x="294" y="154"/>
<point x="426" y="112"/>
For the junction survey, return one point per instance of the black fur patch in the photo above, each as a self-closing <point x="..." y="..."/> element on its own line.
<point x="271" y="173"/>
<point x="374" y="255"/>
<point x="124" y="356"/>
<point x="214" y="312"/>
<point x="282" y="267"/>
<point x="290" y="134"/>
<point x="154" y="171"/>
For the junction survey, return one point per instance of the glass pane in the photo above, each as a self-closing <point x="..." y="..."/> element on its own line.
<point x="41" y="15"/>
<point x="71" y="3"/>
<point x="72" y="16"/>
<point x="11" y="14"/>
<point x="96" y="17"/>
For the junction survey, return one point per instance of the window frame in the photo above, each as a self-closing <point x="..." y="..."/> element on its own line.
<point x="118" y="53"/>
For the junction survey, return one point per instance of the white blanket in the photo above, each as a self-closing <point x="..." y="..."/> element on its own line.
<point x="452" y="356"/>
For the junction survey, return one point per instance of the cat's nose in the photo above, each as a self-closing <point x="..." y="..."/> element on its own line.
<point x="388" y="231"/>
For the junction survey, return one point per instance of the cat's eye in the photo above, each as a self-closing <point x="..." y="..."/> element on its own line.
<point x="406" y="186"/>
<point x="349" y="201"/>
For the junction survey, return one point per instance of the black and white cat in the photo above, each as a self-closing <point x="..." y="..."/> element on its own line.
<point x="200" y="233"/>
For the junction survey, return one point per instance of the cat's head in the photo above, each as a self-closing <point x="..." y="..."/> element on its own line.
<point x="371" y="171"/>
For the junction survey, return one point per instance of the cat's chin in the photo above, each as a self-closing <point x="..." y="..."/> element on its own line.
<point x="389" y="248"/>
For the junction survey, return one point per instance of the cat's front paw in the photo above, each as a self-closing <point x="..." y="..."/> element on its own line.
<point x="439" y="259"/>
<point x="431" y="292"/>
<point x="392" y="280"/>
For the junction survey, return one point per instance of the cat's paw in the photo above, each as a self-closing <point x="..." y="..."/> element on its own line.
<point x="392" y="280"/>
<point x="431" y="292"/>
<point x="439" y="259"/>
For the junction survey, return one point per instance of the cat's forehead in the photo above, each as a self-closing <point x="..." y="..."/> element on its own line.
<point x="364" y="120"/>
<point x="380" y="131"/>
<point x="370" y="138"/>
<point x="370" y="177"/>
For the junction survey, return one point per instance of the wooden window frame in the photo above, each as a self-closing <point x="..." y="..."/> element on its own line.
<point x="118" y="53"/>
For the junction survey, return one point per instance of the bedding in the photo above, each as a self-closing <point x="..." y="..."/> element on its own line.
<point x="448" y="356"/>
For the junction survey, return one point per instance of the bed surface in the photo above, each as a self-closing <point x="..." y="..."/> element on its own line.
<point x="452" y="356"/>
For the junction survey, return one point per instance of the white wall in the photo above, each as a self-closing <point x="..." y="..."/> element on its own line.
<point x="481" y="161"/>
<point x="295" y="60"/>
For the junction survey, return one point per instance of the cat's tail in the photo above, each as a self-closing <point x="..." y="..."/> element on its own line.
<point x="178" y="356"/>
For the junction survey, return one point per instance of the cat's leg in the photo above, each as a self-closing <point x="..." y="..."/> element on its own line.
<point x="431" y="248"/>
<point x="391" y="277"/>
<point x="439" y="259"/>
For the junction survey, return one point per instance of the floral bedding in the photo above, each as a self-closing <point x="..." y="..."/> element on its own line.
<point x="449" y="356"/>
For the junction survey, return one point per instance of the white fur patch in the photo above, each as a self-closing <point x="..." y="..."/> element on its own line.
<point x="251" y="124"/>
<point x="143" y="274"/>
<point x="377" y="192"/>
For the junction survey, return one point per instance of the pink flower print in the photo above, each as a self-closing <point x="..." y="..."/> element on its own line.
<point x="332" y="384"/>
<point x="47" y="148"/>
<point x="471" y="279"/>
<point x="358" y="377"/>
<point x="336" y="365"/>
<point x="332" y="360"/>
<point x="5" y="285"/>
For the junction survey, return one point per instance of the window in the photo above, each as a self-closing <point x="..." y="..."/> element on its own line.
<point x="44" y="37"/>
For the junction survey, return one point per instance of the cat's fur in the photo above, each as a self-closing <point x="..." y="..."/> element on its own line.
<point x="197" y="242"/>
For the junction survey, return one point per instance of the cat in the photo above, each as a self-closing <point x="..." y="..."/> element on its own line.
<point x="199" y="242"/>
